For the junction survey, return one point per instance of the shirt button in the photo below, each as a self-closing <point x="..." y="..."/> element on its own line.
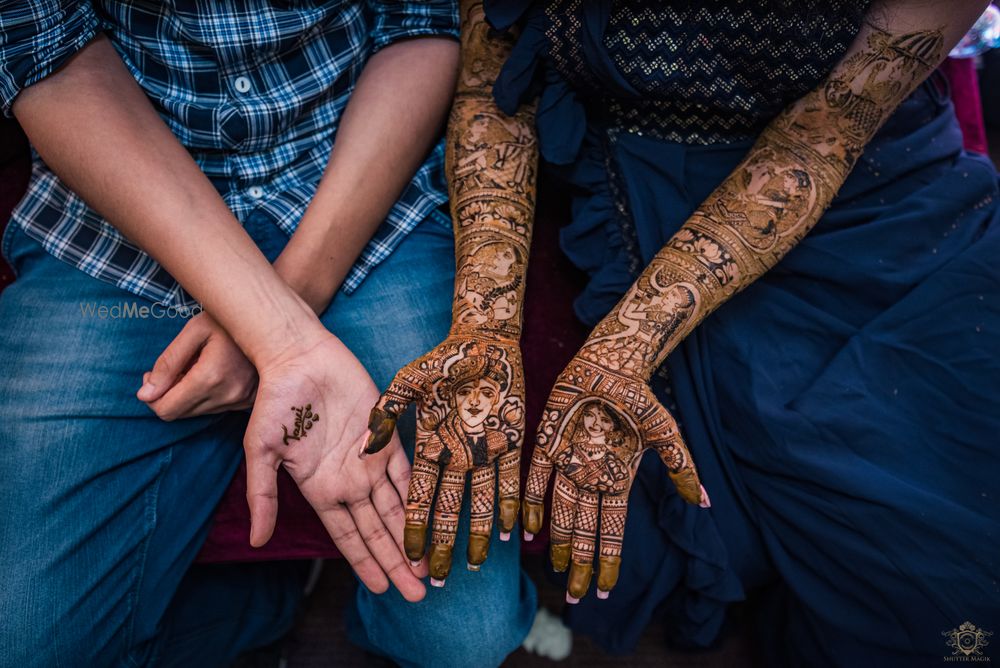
<point x="255" y="191"/>
<point x="242" y="85"/>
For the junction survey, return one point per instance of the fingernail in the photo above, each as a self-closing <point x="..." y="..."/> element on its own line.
<point x="705" y="501"/>
<point x="415" y="564"/>
<point x="603" y="594"/>
<point x="505" y="536"/>
<point x="572" y="600"/>
<point x="437" y="583"/>
<point x="529" y="536"/>
<point x="471" y="567"/>
<point x="146" y="388"/>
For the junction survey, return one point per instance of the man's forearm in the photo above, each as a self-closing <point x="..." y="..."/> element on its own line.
<point x="781" y="189"/>
<point x="491" y="165"/>
<point x="96" y="129"/>
<point x="390" y="123"/>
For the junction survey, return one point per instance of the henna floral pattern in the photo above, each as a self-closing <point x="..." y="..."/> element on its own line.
<point x="469" y="390"/>
<point x="760" y="212"/>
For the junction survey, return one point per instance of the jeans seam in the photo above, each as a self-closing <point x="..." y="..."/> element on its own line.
<point x="7" y="242"/>
<point x="440" y="217"/>
<point x="152" y="501"/>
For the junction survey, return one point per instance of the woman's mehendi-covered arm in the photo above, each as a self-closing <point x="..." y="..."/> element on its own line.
<point x="469" y="389"/>
<point x="782" y="187"/>
<point x="491" y="165"/>
<point x="762" y="210"/>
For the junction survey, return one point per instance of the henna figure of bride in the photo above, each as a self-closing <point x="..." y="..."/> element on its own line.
<point x="600" y="451"/>
<point x="489" y="283"/>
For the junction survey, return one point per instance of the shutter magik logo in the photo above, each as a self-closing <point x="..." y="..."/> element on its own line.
<point x="968" y="642"/>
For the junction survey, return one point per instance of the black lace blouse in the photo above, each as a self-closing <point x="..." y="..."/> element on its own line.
<point x="700" y="72"/>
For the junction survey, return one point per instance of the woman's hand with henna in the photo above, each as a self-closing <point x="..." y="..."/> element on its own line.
<point x="469" y="392"/>
<point x="596" y="424"/>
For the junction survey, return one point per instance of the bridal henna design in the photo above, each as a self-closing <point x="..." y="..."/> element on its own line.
<point x="601" y="413"/>
<point x="595" y="427"/>
<point x="469" y="390"/>
<point x="470" y="418"/>
<point x="491" y="162"/>
<point x="304" y="419"/>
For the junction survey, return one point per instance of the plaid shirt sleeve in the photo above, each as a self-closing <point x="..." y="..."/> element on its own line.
<point x="36" y="38"/>
<point x="395" y="20"/>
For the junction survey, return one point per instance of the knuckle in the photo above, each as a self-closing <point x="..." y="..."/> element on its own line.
<point x="400" y="478"/>
<point x="164" y="363"/>
<point x="359" y="561"/>
<point x="212" y="376"/>
<point x="236" y="393"/>
<point x="382" y="485"/>
<point x="395" y="511"/>
<point x="359" y="500"/>
<point x="398" y="569"/>
<point x="165" y="413"/>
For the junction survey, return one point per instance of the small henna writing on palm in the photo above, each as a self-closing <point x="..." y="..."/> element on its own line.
<point x="304" y="419"/>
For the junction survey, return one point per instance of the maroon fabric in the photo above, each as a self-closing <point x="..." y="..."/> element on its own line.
<point x="298" y="533"/>
<point x="15" y="168"/>
<point x="552" y="334"/>
<point x="961" y="73"/>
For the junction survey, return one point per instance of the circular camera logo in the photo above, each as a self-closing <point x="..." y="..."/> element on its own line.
<point x="967" y="640"/>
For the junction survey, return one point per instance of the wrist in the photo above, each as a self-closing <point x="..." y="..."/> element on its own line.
<point x="291" y="329"/>
<point x="315" y="284"/>
<point x="486" y="312"/>
<point x="625" y="356"/>
<point x="507" y="333"/>
<point x="322" y="251"/>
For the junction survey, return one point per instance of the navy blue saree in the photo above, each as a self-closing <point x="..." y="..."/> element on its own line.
<point x="843" y="411"/>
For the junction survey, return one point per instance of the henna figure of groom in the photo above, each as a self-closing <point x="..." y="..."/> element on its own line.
<point x="474" y="388"/>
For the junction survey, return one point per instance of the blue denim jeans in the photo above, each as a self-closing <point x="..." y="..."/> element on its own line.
<point x="104" y="507"/>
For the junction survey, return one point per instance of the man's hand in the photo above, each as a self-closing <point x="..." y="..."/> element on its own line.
<point x="201" y="372"/>
<point x="306" y="418"/>
<point x="596" y="424"/>
<point x="470" y="417"/>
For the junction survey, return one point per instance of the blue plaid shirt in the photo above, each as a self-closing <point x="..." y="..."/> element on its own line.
<point x="253" y="89"/>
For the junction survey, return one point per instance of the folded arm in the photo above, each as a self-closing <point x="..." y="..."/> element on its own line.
<point x="96" y="129"/>
<point x="94" y="126"/>
<point x="378" y="148"/>
<point x="380" y="145"/>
